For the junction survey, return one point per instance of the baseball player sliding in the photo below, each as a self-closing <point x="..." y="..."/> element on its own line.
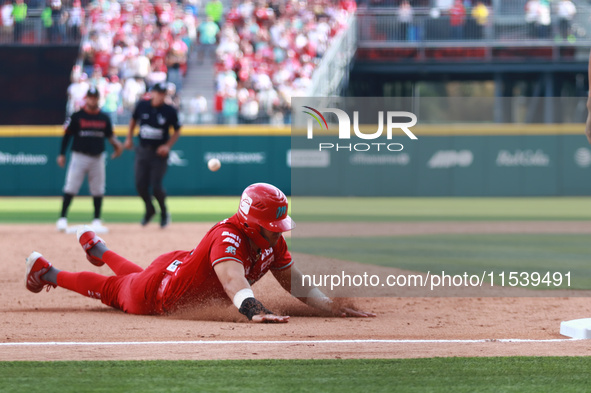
<point x="233" y="255"/>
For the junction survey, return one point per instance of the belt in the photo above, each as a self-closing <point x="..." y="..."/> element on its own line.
<point x="88" y="154"/>
<point x="160" y="293"/>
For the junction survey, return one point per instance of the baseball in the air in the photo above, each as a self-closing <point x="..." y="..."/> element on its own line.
<point x="214" y="164"/>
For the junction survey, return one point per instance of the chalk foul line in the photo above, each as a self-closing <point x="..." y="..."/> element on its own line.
<point x="280" y="342"/>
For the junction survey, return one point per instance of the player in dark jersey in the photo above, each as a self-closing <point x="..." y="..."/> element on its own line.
<point x="155" y="118"/>
<point x="89" y="127"/>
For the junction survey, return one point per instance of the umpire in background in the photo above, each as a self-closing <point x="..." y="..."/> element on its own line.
<point x="155" y="118"/>
<point x="89" y="127"/>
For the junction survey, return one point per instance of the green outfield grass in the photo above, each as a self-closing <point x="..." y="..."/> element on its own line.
<point x="115" y="209"/>
<point x="514" y="374"/>
<point x="440" y="209"/>
<point x="459" y="253"/>
<point x="211" y="209"/>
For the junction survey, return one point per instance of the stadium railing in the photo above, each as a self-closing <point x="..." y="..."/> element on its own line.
<point x="333" y="71"/>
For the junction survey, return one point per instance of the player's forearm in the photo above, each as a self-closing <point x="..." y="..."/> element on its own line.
<point x="131" y="128"/>
<point x="64" y="145"/>
<point x="314" y="296"/>
<point x="175" y="137"/>
<point x="588" y="124"/>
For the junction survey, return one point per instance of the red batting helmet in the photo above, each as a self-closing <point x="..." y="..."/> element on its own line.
<point x="263" y="205"/>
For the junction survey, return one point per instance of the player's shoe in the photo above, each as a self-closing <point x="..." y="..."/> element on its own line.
<point x="37" y="266"/>
<point x="165" y="220"/>
<point x="148" y="217"/>
<point x="62" y="224"/>
<point x="97" y="226"/>
<point x="88" y="239"/>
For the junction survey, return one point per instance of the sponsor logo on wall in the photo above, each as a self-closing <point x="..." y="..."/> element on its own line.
<point x="237" y="157"/>
<point x="523" y="158"/>
<point x="451" y="158"/>
<point x="583" y="157"/>
<point x="307" y="158"/>
<point x="401" y="159"/>
<point x="175" y="158"/>
<point x="22" y="159"/>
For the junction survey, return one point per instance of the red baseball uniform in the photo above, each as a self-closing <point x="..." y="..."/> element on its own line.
<point x="178" y="277"/>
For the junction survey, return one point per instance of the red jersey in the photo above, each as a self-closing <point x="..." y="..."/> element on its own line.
<point x="191" y="276"/>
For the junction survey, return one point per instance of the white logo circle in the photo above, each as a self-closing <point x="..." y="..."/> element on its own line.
<point x="583" y="157"/>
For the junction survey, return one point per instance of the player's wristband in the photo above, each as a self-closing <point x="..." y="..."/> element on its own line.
<point x="251" y="307"/>
<point x="241" y="295"/>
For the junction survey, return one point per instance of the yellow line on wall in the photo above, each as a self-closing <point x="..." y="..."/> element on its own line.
<point x="266" y="130"/>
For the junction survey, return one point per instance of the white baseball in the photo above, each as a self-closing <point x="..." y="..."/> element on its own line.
<point x="214" y="164"/>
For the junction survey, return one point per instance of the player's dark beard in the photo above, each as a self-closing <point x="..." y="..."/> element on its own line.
<point x="92" y="107"/>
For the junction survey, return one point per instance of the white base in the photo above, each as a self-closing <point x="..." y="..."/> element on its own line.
<point x="577" y="328"/>
<point x="97" y="230"/>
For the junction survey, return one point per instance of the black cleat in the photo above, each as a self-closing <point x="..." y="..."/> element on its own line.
<point x="165" y="220"/>
<point x="147" y="218"/>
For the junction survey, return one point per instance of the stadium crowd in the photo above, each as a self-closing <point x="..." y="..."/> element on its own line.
<point x="263" y="54"/>
<point x="267" y="53"/>
<point x="131" y="46"/>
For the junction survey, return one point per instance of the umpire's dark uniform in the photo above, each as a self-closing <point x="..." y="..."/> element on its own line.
<point x="155" y="118"/>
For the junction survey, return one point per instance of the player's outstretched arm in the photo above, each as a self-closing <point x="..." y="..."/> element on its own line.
<point x="128" y="144"/>
<point x="315" y="296"/>
<point x="117" y="147"/>
<point x="588" y="124"/>
<point x="231" y="276"/>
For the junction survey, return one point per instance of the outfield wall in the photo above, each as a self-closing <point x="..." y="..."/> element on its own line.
<point x="28" y="162"/>
<point x="445" y="161"/>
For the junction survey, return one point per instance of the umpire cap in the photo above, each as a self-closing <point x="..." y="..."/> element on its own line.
<point x="160" y="87"/>
<point x="92" y="92"/>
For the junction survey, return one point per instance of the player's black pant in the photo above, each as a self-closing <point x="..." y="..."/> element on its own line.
<point x="150" y="169"/>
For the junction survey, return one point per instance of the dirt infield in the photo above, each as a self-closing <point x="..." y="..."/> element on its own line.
<point x="61" y="325"/>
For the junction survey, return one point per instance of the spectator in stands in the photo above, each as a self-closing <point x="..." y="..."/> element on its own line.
<point x="207" y="35"/>
<point x="196" y="110"/>
<point x="77" y="92"/>
<point x="544" y="19"/>
<point x="158" y="72"/>
<point x="214" y="9"/>
<point x="566" y="12"/>
<point x="56" y="18"/>
<point x="7" y="20"/>
<point x="405" y="15"/>
<point x="19" y="15"/>
<point x="75" y="21"/>
<point x="218" y="106"/>
<point x="457" y="19"/>
<point x="113" y="98"/>
<point x="532" y="8"/>
<point x="480" y="14"/>
<point x="133" y="90"/>
<point x="249" y="109"/>
<point x="176" y="60"/>
<point x="47" y="21"/>
<point x="230" y="108"/>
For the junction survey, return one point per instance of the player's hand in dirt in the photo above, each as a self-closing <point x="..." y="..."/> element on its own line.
<point x="128" y="144"/>
<point x="270" y="318"/>
<point x="349" y="312"/>
<point x="163" y="150"/>
<point x="61" y="160"/>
